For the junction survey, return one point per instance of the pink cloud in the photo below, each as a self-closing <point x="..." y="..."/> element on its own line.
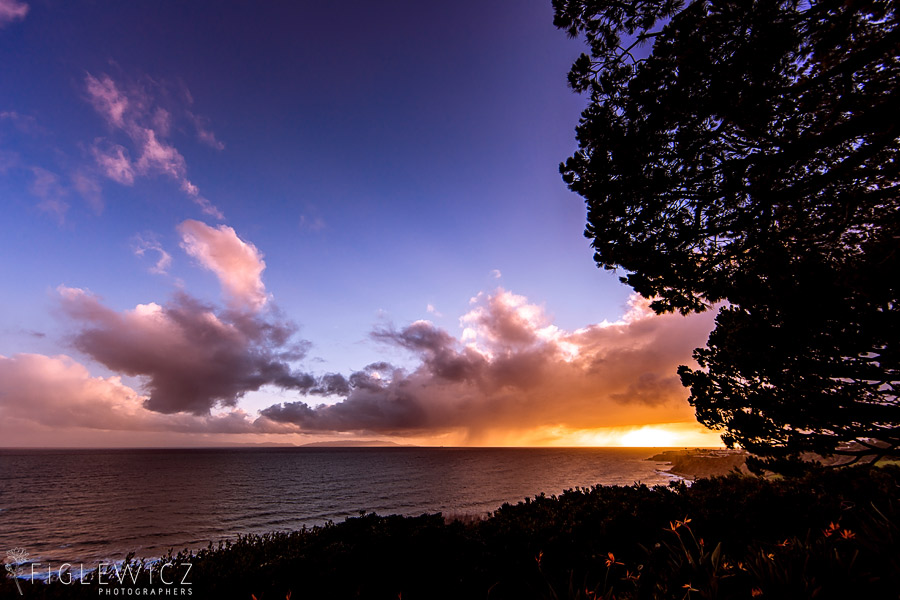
<point x="59" y="393"/>
<point x="146" y="125"/>
<point x="204" y="134"/>
<point x="162" y="121"/>
<point x="51" y="193"/>
<point x="148" y="243"/>
<point x="208" y="208"/>
<point x="209" y="138"/>
<point x="115" y="164"/>
<point x="89" y="189"/>
<point x="237" y="264"/>
<point x="107" y="100"/>
<point x="160" y="157"/>
<point x="12" y="10"/>
<point x="24" y="123"/>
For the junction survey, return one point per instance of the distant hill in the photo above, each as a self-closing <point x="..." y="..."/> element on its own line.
<point x="248" y="445"/>
<point x="356" y="444"/>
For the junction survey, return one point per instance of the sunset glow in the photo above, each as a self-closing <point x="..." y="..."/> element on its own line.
<point x="649" y="436"/>
<point x="266" y="247"/>
<point x="662" y="435"/>
<point x="449" y="299"/>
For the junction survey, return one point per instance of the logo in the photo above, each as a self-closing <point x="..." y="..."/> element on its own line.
<point x="133" y="578"/>
<point x="15" y="558"/>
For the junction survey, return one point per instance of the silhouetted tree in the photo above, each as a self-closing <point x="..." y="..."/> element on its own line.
<point x="745" y="154"/>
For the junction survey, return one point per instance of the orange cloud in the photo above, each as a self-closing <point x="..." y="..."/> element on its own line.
<point x="513" y="370"/>
<point x="511" y="378"/>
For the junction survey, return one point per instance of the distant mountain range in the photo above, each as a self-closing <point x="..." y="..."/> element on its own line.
<point x="356" y="444"/>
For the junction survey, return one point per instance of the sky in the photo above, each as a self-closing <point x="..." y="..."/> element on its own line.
<point x="286" y="222"/>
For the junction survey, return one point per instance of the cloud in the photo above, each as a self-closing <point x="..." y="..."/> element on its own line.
<point x="59" y="392"/>
<point x="512" y="369"/>
<point x="12" y="10"/>
<point x="146" y="125"/>
<point x="107" y="100"/>
<point x="237" y="264"/>
<point x="209" y="138"/>
<point x="158" y="157"/>
<point x="51" y="190"/>
<point x="8" y="160"/>
<point x="510" y="372"/>
<point x="148" y="242"/>
<point x="204" y="134"/>
<point x="496" y="274"/>
<point x="332" y="384"/>
<point x="115" y="163"/>
<point x="192" y="357"/>
<point x="51" y="193"/>
<point x="312" y="223"/>
<point x="432" y="310"/>
<point x="207" y="207"/>
<point x="24" y="123"/>
<point x="89" y="189"/>
<point x="162" y="121"/>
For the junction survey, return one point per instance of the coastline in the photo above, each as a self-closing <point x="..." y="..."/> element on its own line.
<point x="694" y="463"/>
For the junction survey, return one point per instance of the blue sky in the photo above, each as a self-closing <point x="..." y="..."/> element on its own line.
<point x="387" y="161"/>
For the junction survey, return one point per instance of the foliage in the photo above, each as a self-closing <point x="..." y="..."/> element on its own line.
<point x="749" y="158"/>
<point x="831" y="534"/>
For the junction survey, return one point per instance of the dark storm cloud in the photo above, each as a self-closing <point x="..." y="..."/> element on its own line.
<point x="437" y="348"/>
<point x="193" y="358"/>
<point x="511" y="369"/>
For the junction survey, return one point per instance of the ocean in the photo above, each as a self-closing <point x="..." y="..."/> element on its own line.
<point x="92" y="506"/>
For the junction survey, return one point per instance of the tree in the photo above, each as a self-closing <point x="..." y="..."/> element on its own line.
<point x="743" y="155"/>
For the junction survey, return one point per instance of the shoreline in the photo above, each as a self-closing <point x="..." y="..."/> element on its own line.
<point x="695" y="463"/>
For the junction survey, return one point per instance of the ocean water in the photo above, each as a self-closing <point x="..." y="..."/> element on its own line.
<point x="91" y="506"/>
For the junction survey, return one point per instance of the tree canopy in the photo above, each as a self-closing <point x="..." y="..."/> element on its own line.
<point x="744" y="155"/>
